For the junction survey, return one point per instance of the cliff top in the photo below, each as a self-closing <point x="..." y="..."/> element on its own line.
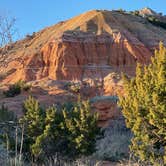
<point x="95" y="22"/>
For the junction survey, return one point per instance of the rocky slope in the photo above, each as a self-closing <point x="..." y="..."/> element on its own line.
<point x="94" y="42"/>
<point x="91" y="49"/>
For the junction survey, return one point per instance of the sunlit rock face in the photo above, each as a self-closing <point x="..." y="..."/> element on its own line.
<point x="92" y="45"/>
<point x="107" y="109"/>
<point x="91" y="50"/>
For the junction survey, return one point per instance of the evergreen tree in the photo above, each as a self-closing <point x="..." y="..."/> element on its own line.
<point x="144" y="107"/>
<point x="81" y="125"/>
<point x="70" y="133"/>
<point x="52" y="141"/>
<point x="33" y="121"/>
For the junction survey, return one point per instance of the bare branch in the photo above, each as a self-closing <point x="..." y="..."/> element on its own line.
<point x="7" y="29"/>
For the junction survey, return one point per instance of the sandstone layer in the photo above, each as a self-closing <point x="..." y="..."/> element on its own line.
<point x="92" y="45"/>
<point x="90" y="50"/>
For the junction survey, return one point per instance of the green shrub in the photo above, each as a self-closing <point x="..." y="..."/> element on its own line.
<point x="5" y="115"/>
<point x="135" y="13"/>
<point x="81" y="126"/>
<point x="70" y="132"/>
<point x="16" y="89"/>
<point x="156" y="22"/>
<point x="73" y="87"/>
<point x="24" y="86"/>
<point x="144" y="107"/>
<point x="13" y="90"/>
<point x="33" y="121"/>
<point x="121" y="11"/>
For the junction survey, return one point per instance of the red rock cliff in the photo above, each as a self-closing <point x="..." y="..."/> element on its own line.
<point x="90" y="45"/>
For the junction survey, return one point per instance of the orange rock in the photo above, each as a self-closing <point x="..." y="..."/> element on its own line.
<point x="111" y="41"/>
<point x="107" y="108"/>
<point x="94" y="48"/>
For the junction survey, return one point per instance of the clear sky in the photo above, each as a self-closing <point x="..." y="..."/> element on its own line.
<point x="33" y="15"/>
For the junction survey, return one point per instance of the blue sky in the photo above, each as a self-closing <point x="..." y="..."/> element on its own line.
<point x="33" y="15"/>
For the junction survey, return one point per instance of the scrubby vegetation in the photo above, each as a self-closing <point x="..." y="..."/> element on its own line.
<point x="70" y="133"/>
<point x="62" y="135"/>
<point x="44" y="135"/>
<point x="156" y="22"/>
<point x="13" y="90"/>
<point x="16" y="89"/>
<point x="7" y="134"/>
<point x="135" y="13"/>
<point x="114" y="146"/>
<point x="74" y="87"/>
<point x="5" y="115"/>
<point x="144" y="107"/>
<point x="121" y="11"/>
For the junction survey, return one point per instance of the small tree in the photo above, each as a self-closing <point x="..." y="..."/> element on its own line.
<point x="17" y="88"/>
<point x="144" y="107"/>
<point x="33" y="121"/>
<point x="52" y="142"/>
<point x="81" y="125"/>
<point x="70" y="133"/>
<point x="13" y="90"/>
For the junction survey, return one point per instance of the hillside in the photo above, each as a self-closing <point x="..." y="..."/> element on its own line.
<point x="104" y="40"/>
<point x="89" y="51"/>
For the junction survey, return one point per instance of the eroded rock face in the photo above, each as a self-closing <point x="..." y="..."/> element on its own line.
<point x="47" y="92"/>
<point x="106" y="107"/>
<point x="113" y="84"/>
<point x="90" y="45"/>
<point x="92" y="48"/>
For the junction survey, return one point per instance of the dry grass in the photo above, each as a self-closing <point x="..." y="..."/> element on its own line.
<point x="115" y="144"/>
